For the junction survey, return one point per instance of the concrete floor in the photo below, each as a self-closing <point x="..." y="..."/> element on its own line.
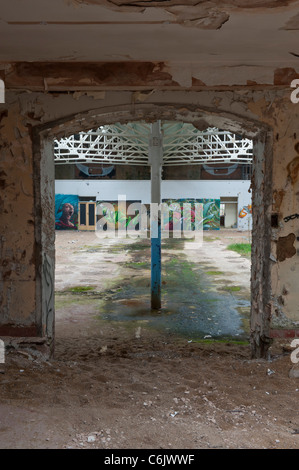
<point x="205" y="287"/>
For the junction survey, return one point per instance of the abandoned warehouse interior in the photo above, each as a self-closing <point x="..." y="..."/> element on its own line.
<point x="72" y="66"/>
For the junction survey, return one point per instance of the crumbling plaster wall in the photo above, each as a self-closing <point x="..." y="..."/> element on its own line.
<point x="17" y="248"/>
<point x="285" y="237"/>
<point x="29" y="121"/>
<point x="283" y="117"/>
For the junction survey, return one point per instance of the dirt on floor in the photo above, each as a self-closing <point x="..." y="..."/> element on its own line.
<point x="127" y="384"/>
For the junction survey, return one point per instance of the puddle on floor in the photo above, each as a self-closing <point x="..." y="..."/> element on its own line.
<point x="194" y="305"/>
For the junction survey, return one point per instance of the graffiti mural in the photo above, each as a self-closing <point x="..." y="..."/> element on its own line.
<point x="176" y="214"/>
<point x="206" y="216"/>
<point x="66" y="212"/>
<point x="119" y="215"/>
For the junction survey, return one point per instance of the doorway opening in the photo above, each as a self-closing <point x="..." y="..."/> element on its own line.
<point x="260" y="150"/>
<point x="87" y="214"/>
<point x="199" y="298"/>
<point x="229" y="212"/>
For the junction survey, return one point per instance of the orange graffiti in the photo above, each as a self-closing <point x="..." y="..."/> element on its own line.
<point x="244" y="211"/>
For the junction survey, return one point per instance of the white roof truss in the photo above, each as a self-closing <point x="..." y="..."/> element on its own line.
<point x="183" y="144"/>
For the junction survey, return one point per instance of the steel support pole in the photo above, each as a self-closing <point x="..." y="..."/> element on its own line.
<point x="156" y="160"/>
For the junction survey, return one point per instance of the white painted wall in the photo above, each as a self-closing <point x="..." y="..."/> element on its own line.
<point x="108" y="190"/>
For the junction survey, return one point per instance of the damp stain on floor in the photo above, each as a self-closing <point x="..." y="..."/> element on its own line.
<point x="194" y="304"/>
<point x="199" y="301"/>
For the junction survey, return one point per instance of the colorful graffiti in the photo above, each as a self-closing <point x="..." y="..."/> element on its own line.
<point x="205" y="215"/>
<point x="245" y="211"/>
<point x="66" y="212"/>
<point x="119" y="214"/>
<point x="176" y="214"/>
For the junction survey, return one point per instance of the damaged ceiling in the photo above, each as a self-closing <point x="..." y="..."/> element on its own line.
<point x="196" y="3"/>
<point x="251" y="41"/>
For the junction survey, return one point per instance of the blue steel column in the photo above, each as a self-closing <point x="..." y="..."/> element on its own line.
<point x="156" y="269"/>
<point x="156" y="160"/>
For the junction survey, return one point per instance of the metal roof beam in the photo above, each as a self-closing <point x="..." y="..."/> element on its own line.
<point x="183" y="144"/>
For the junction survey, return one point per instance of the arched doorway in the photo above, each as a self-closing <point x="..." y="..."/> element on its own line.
<point x="44" y="186"/>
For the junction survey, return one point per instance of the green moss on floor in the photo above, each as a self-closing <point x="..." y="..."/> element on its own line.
<point x="231" y="288"/>
<point x="78" y="289"/>
<point x="210" y="239"/>
<point x="65" y="299"/>
<point x="243" y="249"/>
<point x="136" y="265"/>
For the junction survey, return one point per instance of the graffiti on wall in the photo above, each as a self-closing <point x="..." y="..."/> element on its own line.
<point x="119" y="214"/>
<point x="66" y="212"/>
<point x="291" y="217"/>
<point x="246" y="210"/>
<point x="182" y="214"/>
<point x="205" y="214"/>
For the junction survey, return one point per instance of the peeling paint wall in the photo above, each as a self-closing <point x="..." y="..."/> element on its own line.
<point x="17" y="240"/>
<point x="283" y="116"/>
<point x="144" y="77"/>
<point x="285" y="238"/>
